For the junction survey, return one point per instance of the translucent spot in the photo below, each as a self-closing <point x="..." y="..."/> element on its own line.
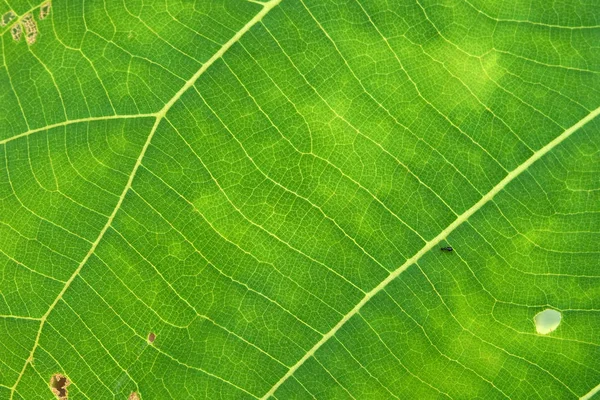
<point x="16" y="32"/>
<point x="134" y="396"/>
<point x="31" y="30"/>
<point x="58" y="385"/>
<point x="547" y="321"/>
<point x="7" y="17"/>
<point x="151" y="337"/>
<point x="45" y="10"/>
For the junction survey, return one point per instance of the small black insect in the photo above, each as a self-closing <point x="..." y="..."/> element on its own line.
<point x="447" y="248"/>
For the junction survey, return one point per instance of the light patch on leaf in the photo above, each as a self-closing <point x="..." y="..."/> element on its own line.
<point x="492" y="73"/>
<point x="31" y="30"/>
<point x="473" y="77"/>
<point x="134" y="396"/>
<point x="547" y="321"/>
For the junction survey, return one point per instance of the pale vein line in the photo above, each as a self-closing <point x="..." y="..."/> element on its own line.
<point x="230" y="277"/>
<point x="454" y="360"/>
<point x="159" y="116"/>
<point x="74" y="348"/>
<point x="99" y="342"/>
<point x="5" y="65"/>
<point x="532" y="60"/>
<point x="591" y="393"/>
<point x="19" y="317"/>
<point x="75" y="121"/>
<point x="31" y="270"/>
<point x="429" y="245"/>
<point x="416" y="376"/>
<point x="524" y="21"/>
<point x="86" y="58"/>
<point x="334" y="378"/>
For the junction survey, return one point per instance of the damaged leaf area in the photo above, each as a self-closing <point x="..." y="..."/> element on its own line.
<point x="25" y="24"/>
<point x="7" y="18"/>
<point x="59" y="384"/>
<point x="30" y="27"/>
<point x="299" y="199"/>
<point x="45" y="10"/>
<point x="134" y="396"/>
<point x="16" y="31"/>
<point x="151" y="337"/>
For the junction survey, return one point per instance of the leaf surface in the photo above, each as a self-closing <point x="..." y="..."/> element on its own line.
<point x="236" y="199"/>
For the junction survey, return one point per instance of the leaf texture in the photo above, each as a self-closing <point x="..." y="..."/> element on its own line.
<point x="242" y="199"/>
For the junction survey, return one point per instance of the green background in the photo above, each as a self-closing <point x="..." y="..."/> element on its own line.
<point x="236" y="177"/>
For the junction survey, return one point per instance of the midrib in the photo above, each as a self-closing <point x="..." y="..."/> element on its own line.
<point x="429" y="245"/>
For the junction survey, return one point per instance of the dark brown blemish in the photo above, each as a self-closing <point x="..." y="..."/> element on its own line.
<point x="58" y="385"/>
<point x="151" y="337"/>
<point x="134" y="396"/>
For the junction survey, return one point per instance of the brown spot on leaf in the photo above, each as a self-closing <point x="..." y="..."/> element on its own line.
<point x="58" y="385"/>
<point x="151" y="337"/>
<point x="134" y="396"/>
<point x="7" y="17"/>
<point x="45" y="10"/>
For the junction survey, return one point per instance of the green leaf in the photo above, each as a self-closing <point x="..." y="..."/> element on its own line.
<point x="243" y="199"/>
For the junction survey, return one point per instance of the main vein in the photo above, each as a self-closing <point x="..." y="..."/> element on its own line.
<point x="591" y="393"/>
<point x="76" y="121"/>
<point x="429" y="245"/>
<point x="159" y="116"/>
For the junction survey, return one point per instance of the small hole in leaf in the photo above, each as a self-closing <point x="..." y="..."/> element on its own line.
<point x="58" y="385"/>
<point x="134" y="396"/>
<point x="547" y="321"/>
<point x="151" y="337"/>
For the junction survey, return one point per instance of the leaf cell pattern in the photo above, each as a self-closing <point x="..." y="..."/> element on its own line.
<point x="244" y="199"/>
